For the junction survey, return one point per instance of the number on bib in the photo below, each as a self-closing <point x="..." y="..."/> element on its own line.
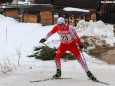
<point x="65" y="38"/>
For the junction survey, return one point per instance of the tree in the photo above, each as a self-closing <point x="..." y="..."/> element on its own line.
<point x="5" y="1"/>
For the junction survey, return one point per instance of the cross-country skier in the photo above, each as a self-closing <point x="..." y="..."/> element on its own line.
<point x="68" y="38"/>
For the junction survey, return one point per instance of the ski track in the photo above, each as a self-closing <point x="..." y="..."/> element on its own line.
<point x="79" y="78"/>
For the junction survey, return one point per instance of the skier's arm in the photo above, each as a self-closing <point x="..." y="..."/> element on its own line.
<point x="75" y="36"/>
<point x="51" y="32"/>
<point x="48" y="35"/>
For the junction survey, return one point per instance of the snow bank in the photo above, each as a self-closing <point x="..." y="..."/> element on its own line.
<point x="91" y="28"/>
<point x="110" y="40"/>
<point x="4" y="19"/>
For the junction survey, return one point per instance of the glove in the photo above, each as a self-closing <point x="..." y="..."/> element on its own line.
<point x="81" y="47"/>
<point x="42" y="40"/>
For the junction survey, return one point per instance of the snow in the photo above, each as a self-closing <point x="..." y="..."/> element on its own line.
<point x="95" y="29"/>
<point x="110" y="40"/>
<point x="17" y="41"/>
<point x="75" y="9"/>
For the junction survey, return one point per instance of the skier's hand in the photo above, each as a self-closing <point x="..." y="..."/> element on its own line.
<point x="42" y="40"/>
<point x="81" y="47"/>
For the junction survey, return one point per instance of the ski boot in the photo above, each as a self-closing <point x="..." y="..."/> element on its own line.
<point x="58" y="74"/>
<point x="91" y="76"/>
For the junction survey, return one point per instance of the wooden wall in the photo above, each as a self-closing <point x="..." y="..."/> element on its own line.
<point x="106" y="13"/>
<point x="47" y="17"/>
<point x="12" y="12"/>
<point x="29" y="18"/>
<point x="44" y="17"/>
<point x="93" y="17"/>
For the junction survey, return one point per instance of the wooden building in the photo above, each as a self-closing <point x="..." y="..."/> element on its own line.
<point x="11" y="12"/>
<point x="106" y="12"/>
<point x="43" y="12"/>
<point x="31" y="13"/>
<point x="72" y="17"/>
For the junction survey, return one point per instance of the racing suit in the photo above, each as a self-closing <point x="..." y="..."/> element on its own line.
<point x="68" y="39"/>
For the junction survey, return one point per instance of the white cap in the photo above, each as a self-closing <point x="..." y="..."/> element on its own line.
<point x="60" y="20"/>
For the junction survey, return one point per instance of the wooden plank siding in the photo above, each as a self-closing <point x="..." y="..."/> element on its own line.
<point x="47" y="17"/>
<point x="29" y="18"/>
<point x="12" y="12"/>
<point x="106" y="12"/>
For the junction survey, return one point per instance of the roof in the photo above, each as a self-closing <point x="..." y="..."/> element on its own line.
<point x="78" y="13"/>
<point x="23" y="6"/>
<point x="84" y="4"/>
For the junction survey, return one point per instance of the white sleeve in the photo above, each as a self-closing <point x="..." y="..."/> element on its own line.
<point x="72" y="30"/>
<point x="74" y="34"/>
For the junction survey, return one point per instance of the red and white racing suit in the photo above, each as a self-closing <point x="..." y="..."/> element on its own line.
<point x="68" y="38"/>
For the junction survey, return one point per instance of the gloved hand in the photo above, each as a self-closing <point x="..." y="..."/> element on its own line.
<point x="81" y="47"/>
<point x="42" y="40"/>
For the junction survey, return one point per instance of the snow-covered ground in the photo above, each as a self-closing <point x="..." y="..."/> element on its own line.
<point x="17" y="40"/>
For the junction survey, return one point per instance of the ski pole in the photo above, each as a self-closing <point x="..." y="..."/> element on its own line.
<point x="49" y="47"/>
<point x="83" y="56"/>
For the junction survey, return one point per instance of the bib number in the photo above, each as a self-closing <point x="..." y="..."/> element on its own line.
<point x="64" y="38"/>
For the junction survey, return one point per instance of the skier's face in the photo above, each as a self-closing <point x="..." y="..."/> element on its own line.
<point x="61" y="25"/>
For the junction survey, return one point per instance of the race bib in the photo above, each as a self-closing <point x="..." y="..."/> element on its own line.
<point x="65" y="37"/>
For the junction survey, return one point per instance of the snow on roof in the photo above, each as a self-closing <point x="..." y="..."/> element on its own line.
<point x="75" y="9"/>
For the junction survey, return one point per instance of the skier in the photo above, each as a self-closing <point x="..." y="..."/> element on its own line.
<point x="68" y="38"/>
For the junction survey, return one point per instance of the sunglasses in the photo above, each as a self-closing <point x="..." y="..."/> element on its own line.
<point x="60" y="24"/>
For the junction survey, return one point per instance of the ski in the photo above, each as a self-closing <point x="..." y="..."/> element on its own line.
<point x="102" y="82"/>
<point x="98" y="81"/>
<point x="47" y="79"/>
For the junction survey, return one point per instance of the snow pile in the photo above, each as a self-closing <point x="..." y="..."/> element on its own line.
<point x="110" y="40"/>
<point x="91" y="28"/>
<point x="4" y="19"/>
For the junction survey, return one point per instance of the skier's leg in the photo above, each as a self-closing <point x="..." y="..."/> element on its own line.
<point x="61" y="50"/>
<point x="73" y="48"/>
<point x="59" y="54"/>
